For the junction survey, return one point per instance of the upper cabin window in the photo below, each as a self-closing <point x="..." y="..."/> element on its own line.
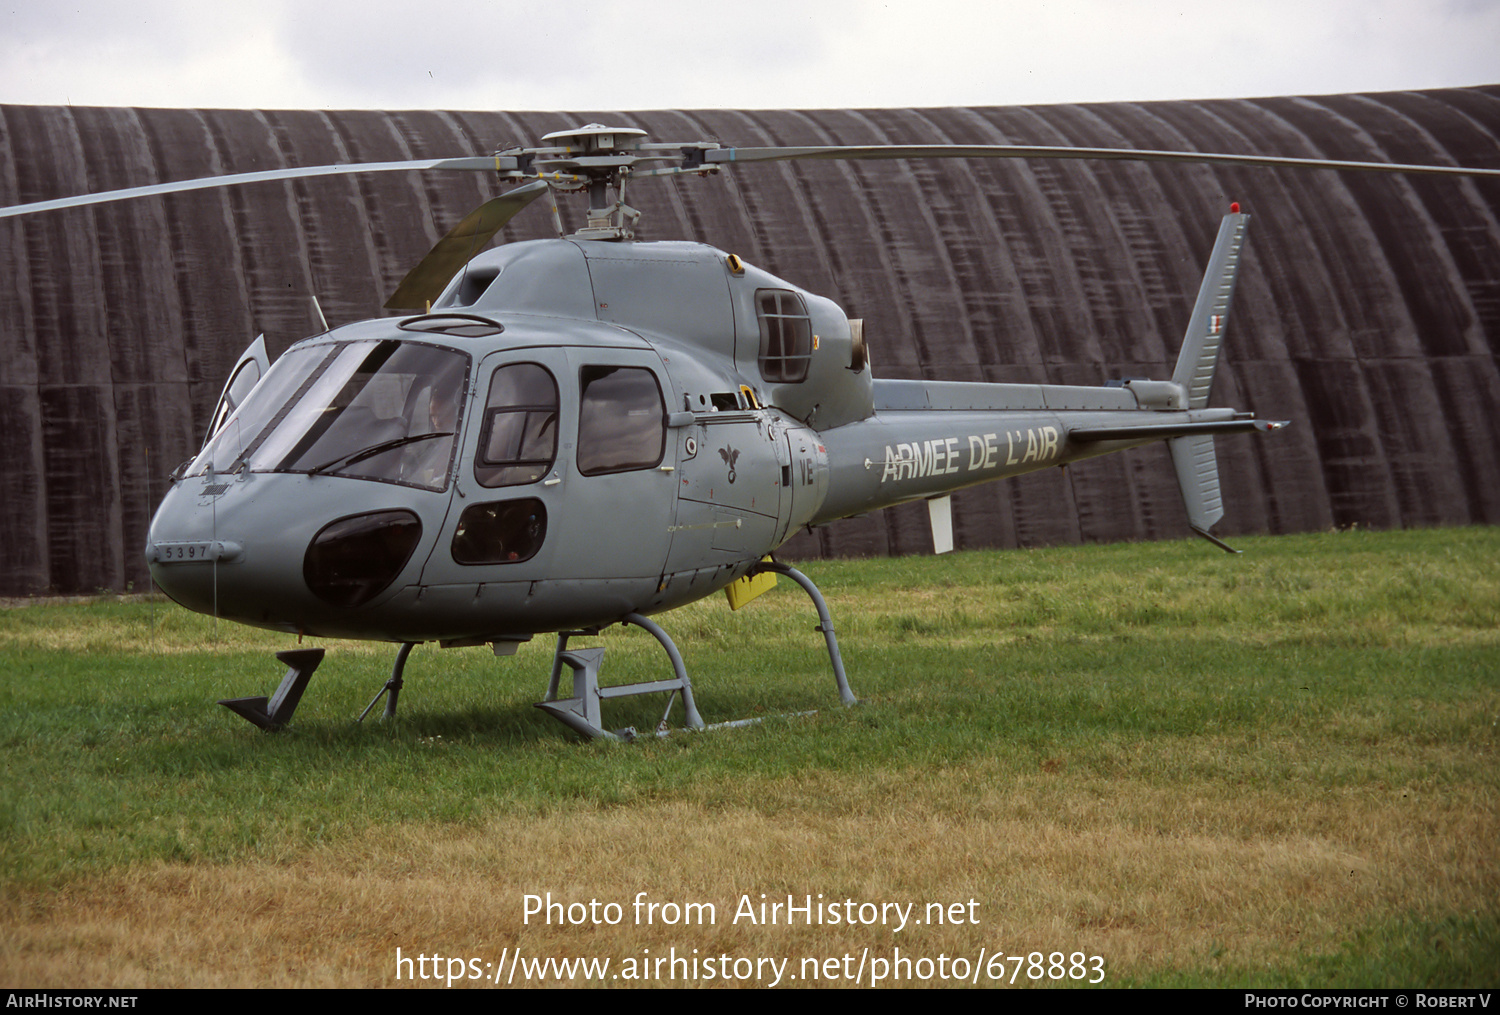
<point x="785" y="336"/>
<point x="519" y="440"/>
<point x="622" y="420"/>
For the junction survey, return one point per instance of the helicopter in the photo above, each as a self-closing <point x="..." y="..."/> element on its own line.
<point x="452" y="474"/>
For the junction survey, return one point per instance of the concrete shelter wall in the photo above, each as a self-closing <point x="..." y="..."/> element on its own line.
<point x="1368" y="311"/>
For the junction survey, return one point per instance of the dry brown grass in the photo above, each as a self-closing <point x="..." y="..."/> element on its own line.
<point x="1146" y="878"/>
<point x="1324" y="789"/>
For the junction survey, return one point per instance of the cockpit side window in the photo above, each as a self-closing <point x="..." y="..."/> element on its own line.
<point x="785" y="336"/>
<point x="622" y="420"/>
<point x="519" y="442"/>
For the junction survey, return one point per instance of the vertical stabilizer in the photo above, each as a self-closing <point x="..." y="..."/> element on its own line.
<point x="1198" y="476"/>
<point x="1205" y="331"/>
<point x="1193" y="457"/>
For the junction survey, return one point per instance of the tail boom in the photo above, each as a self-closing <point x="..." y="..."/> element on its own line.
<point x="930" y="438"/>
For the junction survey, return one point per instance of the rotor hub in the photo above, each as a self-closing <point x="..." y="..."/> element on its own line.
<point x="599" y="159"/>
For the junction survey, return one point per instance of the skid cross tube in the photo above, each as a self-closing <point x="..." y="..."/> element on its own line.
<point x="825" y="622"/>
<point x="693" y="719"/>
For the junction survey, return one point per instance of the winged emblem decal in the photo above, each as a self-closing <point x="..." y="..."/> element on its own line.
<point x="730" y="456"/>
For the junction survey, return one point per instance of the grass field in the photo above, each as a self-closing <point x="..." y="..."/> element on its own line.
<point x="1274" y="769"/>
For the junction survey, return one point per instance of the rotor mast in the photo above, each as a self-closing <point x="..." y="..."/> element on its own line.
<point x="600" y="159"/>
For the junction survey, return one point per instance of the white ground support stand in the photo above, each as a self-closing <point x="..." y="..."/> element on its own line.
<point x="582" y="711"/>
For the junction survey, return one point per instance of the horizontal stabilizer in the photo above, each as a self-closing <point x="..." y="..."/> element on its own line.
<point x="1159" y="431"/>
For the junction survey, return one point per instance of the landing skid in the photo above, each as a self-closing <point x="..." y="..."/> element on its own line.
<point x="582" y="711"/>
<point x="825" y="623"/>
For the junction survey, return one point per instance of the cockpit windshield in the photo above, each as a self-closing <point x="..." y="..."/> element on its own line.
<point x="383" y="410"/>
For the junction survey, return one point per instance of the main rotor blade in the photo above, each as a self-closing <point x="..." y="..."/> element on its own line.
<point x="425" y="282"/>
<point x="725" y="156"/>
<point x="492" y="163"/>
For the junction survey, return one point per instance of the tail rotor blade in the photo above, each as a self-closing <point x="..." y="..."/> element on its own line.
<point x="426" y="281"/>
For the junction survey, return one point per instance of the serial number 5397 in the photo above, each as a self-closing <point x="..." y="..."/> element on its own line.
<point x="185" y="551"/>
<point x="203" y="549"/>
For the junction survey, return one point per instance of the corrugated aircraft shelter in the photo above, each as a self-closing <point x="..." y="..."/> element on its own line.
<point x="1368" y="311"/>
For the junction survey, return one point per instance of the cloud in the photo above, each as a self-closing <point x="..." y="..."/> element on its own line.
<point x="635" y="54"/>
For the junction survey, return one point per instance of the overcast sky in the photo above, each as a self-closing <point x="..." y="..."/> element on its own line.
<point x="649" y="54"/>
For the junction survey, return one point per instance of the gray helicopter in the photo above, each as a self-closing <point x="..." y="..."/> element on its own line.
<point x="567" y="434"/>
